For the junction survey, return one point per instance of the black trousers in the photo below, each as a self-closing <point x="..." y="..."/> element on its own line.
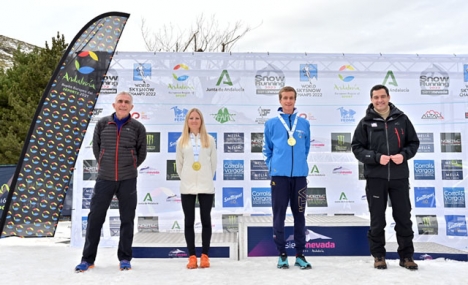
<point x="377" y="192"/>
<point x="188" y="206"/>
<point x="103" y="192"/>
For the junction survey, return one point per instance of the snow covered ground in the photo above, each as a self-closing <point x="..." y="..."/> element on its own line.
<point x="52" y="261"/>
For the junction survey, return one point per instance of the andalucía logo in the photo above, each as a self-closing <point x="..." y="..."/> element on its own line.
<point x="86" y="57"/>
<point x="224" y="84"/>
<point x="179" y="68"/>
<point x="390" y="79"/>
<point x="346" y="89"/>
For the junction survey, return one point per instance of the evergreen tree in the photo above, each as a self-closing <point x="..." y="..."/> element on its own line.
<point x="21" y="89"/>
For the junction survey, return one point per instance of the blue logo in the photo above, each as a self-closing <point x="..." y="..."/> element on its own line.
<point x="307" y="72"/>
<point x="233" y="197"/>
<point x="261" y="197"/>
<point x="456" y="225"/>
<point x="424" y="170"/>
<point x="233" y="170"/>
<point x="179" y="114"/>
<point x="424" y="197"/>
<point x="172" y="138"/>
<point x="215" y="136"/>
<point x="465" y="72"/>
<point x="454" y="197"/>
<point x="141" y="71"/>
<point x="347" y="116"/>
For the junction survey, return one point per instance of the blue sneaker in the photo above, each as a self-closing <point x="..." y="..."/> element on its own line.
<point x="83" y="266"/>
<point x="302" y="262"/>
<point x="125" y="265"/>
<point x="283" y="261"/>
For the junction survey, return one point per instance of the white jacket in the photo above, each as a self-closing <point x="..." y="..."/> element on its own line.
<point x="201" y="181"/>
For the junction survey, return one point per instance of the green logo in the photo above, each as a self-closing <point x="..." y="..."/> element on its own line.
<point x="228" y="78"/>
<point x="392" y="78"/>
<point x="175" y="226"/>
<point x="315" y="169"/>
<point x="148" y="198"/>
<point x="223" y="116"/>
<point x="343" y="196"/>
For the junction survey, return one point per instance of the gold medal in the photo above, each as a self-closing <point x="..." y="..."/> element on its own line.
<point x="291" y="141"/>
<point x="196" y="166"/>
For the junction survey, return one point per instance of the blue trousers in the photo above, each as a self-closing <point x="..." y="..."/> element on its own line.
<point x="103" y="192"/>
<point x="292" y="191"/>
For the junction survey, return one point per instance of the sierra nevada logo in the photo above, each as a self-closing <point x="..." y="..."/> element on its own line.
<point x="223" y="116"/>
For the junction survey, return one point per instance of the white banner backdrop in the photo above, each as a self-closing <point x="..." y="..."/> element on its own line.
<point x="237" y="93"/>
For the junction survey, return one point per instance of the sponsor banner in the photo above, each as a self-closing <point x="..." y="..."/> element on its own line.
<point x="320" y="241"/>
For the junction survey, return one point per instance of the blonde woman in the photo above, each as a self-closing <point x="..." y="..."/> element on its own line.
<point x="196" y="161"/>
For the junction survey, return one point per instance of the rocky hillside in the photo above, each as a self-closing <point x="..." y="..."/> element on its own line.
<point x="8" y="46"/>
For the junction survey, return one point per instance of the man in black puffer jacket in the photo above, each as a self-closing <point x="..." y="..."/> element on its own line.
<point x="119" y="145"/>
<point x="384" y="141"/>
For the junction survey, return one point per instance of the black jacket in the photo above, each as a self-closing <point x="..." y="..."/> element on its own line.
<point x="375" y="137"/>
<point x="119" y="154"/>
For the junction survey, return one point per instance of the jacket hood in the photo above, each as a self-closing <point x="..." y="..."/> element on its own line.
<point x="372" y="114"/>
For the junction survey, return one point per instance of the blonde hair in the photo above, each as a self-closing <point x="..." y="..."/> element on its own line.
<point x="185" y="137"/>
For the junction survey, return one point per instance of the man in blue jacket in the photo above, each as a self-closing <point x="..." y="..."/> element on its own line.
<point x="285" y="147"/>
<point x="384" y="141"/>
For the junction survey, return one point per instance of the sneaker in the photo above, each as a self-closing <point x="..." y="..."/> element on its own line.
<point x="204" y="261"/>
<point x="408" y="263"/>
<point x="83" y="266"/>
<point x="379" y="263"/>
<point x="125" y="265"/>
<point x="192" y="262"/>
<point x="302" y="262"/>
<point x="283" y="261"/>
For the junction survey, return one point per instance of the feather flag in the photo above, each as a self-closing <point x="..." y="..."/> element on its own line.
<point x="40" y="183"/>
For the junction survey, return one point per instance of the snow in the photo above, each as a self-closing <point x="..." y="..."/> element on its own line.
<point x="52" y="261"/>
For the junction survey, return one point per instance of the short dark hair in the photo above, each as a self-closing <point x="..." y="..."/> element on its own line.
<point x="287" y="89"/>
<point x="378" y="87"/>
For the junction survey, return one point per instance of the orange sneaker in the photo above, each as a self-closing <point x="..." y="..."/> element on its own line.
<point x="204" y="261"/>
<point x="192" y="262"/>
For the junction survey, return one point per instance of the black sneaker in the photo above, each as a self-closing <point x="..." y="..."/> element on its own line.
<point x="379" y="263"/>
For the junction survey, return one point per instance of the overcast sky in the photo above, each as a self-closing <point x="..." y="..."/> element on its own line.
<point x="312" y="26"/>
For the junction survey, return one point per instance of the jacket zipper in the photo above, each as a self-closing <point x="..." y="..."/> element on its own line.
<point x="292" y="149"/>
<point x="388" y="148"/>
<point x="398" y="137"/>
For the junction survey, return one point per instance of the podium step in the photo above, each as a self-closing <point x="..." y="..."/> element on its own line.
<point x="173" y="245"/>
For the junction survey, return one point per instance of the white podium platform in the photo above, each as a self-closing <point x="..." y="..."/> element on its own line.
<point x="172" y="245"/>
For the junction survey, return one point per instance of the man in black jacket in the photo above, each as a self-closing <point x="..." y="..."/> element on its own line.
<point x="119" y="145"/>
<point x="384" y="141"/>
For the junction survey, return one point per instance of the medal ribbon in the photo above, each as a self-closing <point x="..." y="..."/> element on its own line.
<point x="195" y="146"/>
<point x="290" y="132"/>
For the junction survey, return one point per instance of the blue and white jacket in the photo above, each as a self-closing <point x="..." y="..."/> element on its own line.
<point x="281" y="158"/>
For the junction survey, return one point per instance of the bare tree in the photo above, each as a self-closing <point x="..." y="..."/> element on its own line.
<point x="204" y="35"/>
